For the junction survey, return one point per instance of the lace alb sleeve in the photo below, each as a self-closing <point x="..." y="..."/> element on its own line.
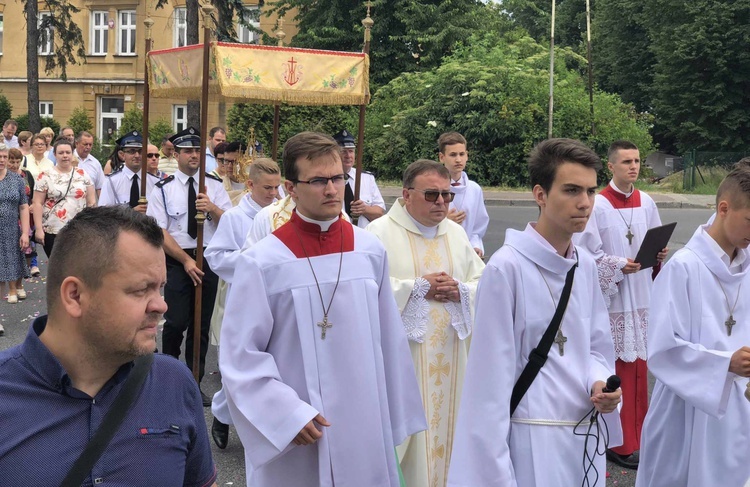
<point x="610" y="273"/>
<point x="416" y="310"/>
<point x="460" y="312"/>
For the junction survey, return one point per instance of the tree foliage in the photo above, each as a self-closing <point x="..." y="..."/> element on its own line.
<point x="79" y="120"/>
<point x="133" y="120"/>
<point x="6" y="109"/>
<point x="494" y="92"/>
<point x="24" y="123"/>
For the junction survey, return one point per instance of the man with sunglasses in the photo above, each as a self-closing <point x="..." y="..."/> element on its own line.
<point x="123" y="187"/>
<point x="434" y="272"/>
<point x="174" y="203"/>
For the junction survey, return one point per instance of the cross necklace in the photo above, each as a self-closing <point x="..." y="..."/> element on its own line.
<point x="729" y="323"/>
<point x="560" y="339"/>
<point x="324" y="324"/>
<point x="628" y="235"/>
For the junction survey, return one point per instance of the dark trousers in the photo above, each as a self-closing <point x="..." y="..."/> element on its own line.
<point x="179" y="293"/>
<point x="49" y="243"/>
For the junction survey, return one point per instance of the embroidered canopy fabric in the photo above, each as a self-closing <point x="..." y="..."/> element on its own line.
<point x="262" y="74"/>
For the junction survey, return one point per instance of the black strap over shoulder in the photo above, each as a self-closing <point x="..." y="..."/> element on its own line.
<point x="538" y="356"/>
<point x="110" y="424"/>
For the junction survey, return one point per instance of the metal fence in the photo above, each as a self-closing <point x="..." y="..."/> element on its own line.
<point x="694" y="160"/>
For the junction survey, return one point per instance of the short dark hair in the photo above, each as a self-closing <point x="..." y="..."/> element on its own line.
<point x="234" y="147"/>
<point x="62" y="141"/>
<point x="95" y="229"/>
<point x="213" y="131"/>
<point x="423" y="166"/>
<point x="81" y="135"/>
<point x="735" y="188"/>
<point x="10" y="121"/>
<point x="309" y="145"/>
<point x="450" y="138"/>
<point x="550" y="154"/>
<point x="221" y="148"/>
<point x="166" y="138"/>
<point x="744" y="162"/>
<point x="620" y="145"/>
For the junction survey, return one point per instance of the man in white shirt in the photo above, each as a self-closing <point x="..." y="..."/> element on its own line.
<point x="695" y="433"/>
<point x="83" y="159"/>
<point x="123" y="187"/>
<point x="216" y="136"/>
<point x="174" y="203"/>
<point x="9" y="134"/>
<point x="370" y="204"/>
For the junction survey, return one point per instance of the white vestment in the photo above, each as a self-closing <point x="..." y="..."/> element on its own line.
<point x="438" y="332"/>
<point x="279" y="373"/>
<point x="627" y="296"/>
<point x="695" y="433"/>
<point x="469" y="198"/>
<point x="536" y="447"/>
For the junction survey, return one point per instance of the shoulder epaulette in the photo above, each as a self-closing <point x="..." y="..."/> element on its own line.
<point x="153" y="175"/>
<point x="164" y="181"/>
<point x="368" y="172"/>
<point x="214" y="177"/>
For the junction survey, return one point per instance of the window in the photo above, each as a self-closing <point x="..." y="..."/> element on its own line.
<point x="179" y="117"/>
<point x="99" y="33"/>
<point x="245" y="35"/>
<point x="110" y="118"/>
<point x="46" y="36"/>
<point x="46" y="109"/>
<point x="180" y="27"/>
<point x="1" y="33"/>
<point x="126" y="33"/>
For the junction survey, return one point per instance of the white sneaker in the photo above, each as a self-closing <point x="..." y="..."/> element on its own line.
<point x="21" y="293"/>
<point x="12" y="299"/>
<point x="35" y="271"/>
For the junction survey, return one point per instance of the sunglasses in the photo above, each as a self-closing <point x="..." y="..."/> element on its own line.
<point x="431" y="195"/>
<point x="152" y="154"/>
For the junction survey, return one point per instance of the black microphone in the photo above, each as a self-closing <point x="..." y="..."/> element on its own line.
<point x="613" y="383"/>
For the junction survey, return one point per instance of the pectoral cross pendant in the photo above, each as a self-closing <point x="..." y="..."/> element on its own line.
<point x="560" y="339"/>
<point x="629" y="236"/>
<point x="729" y="324"/>
<point x="324" y="325"/>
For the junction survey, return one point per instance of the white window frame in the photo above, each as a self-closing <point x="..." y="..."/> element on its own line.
<point x="179" y="38"/>
<point x="101" y="115"/>
<point x="45" y="48"/>
<point x="2" y="18"/>
<point x="179" y="123"/>
<point x="99" y="25"/>
<point x="126" y="25"/>
<point x="46" y="109"/>
<point x="245" y="35"/>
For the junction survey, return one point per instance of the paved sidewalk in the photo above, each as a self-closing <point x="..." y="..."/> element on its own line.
<point x="524" y="198"/>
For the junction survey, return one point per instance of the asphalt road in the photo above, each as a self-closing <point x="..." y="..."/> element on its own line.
<point x="230" y="462"/>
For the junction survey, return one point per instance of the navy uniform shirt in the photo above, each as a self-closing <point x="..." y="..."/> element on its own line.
<point x="46" y="423"/>
<point x="168" y="204"/>
<point x="116" y="189"/>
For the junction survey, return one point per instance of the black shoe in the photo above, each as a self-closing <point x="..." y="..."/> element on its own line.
<point x="220" y="433"/>
<point x="206" y="400"/>
<point x="625" y="461"/>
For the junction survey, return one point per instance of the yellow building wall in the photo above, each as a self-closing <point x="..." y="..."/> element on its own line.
<point x="109" y="76"/>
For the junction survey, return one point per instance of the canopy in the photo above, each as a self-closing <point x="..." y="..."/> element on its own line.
<point x="261" y="74"/>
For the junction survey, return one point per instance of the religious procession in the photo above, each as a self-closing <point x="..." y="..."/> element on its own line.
<point x="262" y="309"/>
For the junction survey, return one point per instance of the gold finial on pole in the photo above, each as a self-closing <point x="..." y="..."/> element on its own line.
<point x="367" y="22"/>
<point x="280" y="34"/>
<point x="208" y="11"/>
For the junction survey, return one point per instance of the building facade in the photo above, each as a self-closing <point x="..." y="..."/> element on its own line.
<point x="110" y="81"/>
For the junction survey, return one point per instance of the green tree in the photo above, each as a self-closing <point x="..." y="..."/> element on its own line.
<point x="133" y="120"/>
<point x="24" y="123"/>
<point x="495" y="92"/>
<point x="6" y="109"/>
<point x="535" y="17"/>
<point x="79" y="120"/>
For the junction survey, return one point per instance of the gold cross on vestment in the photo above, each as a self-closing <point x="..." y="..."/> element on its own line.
<point x="560" y="339"/>
<point x="729" y="324"/>
<point x="324" y="325"/>
<point x="629" y="236"/>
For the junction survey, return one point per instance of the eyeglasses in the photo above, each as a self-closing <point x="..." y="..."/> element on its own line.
<point x="431" y="195"/>
<point x="227" y="161"/>
<point x="320" y="183"/>
<point x="131" y="151"/>
<point x="152" y="154"/>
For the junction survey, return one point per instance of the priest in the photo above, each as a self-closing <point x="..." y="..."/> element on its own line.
<point x="434" y="272"/>
<point x="622" y="215"/>
<point x="318" y="376"/>
<point x="519" y="293"/>
<point x="695" y="433"/>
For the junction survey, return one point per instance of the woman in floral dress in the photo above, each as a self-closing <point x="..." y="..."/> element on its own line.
<point x="14" y="207"/>
<point x="59" y="195"/>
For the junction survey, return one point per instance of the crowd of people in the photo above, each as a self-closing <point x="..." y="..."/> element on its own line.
<point x="360" y="345"/>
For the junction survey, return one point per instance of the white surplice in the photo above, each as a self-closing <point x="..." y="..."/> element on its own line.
<point x="696" y="434"/>
<point x="438" y="332"/>
<point x="537" y="446"/>
<point x="469" y="198"/>
<point x="279" y="373"/>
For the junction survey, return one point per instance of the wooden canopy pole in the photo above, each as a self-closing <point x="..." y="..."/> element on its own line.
<point x="280" y="35"/>
<point x="591" y="66"/>
<point x="207" y="10"/>
<point x="149" y="22"/>
<point x="367" y="23"/>
<point x="551" y="71"/>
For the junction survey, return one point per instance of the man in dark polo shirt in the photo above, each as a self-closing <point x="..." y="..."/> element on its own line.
<point x="104" y="306"/>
